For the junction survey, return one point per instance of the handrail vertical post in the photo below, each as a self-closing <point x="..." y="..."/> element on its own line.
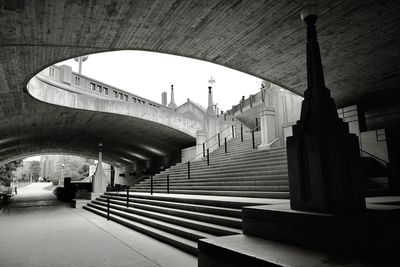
<point x="208" y="157"/>
<point x="241" y="133"/>
<point x="204" y="149"/>
<point x="108" y="208"/>
<point x="256" y="124"/>
<point x="167" y="183"/>
<point x="151" y="184"/>
<point x="233" y="131"/>
<point x="226" y="148"/>
<point x="188" y="169"/>
<point x="252" y="137"/>
<point x="219" y="140"/>
<point x="127" y="197"/>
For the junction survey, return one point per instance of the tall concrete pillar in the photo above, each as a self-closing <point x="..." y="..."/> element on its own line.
<point x="323" y="157"/>
<point x="201" y="137"/>
<point x="99" y="182"/>
<point x="268" y="129"/>
<point x="172" y="104"/>
<point x="210" y="108"/>
<point x="164" y="98"/>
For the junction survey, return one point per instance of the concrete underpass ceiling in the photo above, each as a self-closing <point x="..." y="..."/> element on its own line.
<point x="359" y="44"/>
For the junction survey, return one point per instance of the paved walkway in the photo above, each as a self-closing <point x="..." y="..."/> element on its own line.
<point x="38" y="230"/>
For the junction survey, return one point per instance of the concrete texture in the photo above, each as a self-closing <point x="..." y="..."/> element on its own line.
<point x="244" y="250"/>
<point x="40" y="231"/>
<point x="263" y="38"/>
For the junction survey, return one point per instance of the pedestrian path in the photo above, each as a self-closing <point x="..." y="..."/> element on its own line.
<point x="38" y="230"/>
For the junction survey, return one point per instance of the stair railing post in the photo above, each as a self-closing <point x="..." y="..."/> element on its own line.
<point x="204" y="149"/>
<point x="188" y="169"/>
<point x="241" y="133"/>
<point x="252" y="137"/>
<point x="127" y="197"/>
<point x="219" y="140"/>
<point x="233" y="131"/>
<point x="208" y="157"/>
<point x="226" y="148"/>
<point x="167" y="183"/>
<point x="108" y="208"/>
<point x="151" y="184"/>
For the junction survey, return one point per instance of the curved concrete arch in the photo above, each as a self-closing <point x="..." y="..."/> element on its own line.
<point x="262" y="38"/>
<point x="53" y="92"/>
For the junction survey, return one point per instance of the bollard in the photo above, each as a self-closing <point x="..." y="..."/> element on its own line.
<point x="204" y="149"/>
<point x="208" y="157"/>
<point x="226" y="148"/>
<point x="241" y="133"/>
<point x="151" y="184"/>
<point x="252" y="137"/>
<point x="233" y="131"/>
<point x="256" y="124"/>
<point x="188" y="169"/>
<point x="127" y="197"/>
<point x="219" y="140"/>
<point x="167" y="183"/>
<point x="108" y="209"/>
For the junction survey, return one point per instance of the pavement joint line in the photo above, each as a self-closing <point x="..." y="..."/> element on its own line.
<point x="130" y="247"/>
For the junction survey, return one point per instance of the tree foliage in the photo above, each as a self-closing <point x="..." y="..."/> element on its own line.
<point x="7" y="171"/>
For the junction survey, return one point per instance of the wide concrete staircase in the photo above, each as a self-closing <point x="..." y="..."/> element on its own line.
<point x="242" y="172"/>
<point x="209" y="204"/>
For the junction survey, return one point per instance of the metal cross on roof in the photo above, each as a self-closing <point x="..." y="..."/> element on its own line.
<point x="211" y="81"/>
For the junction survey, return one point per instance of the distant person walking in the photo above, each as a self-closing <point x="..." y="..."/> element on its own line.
<point x="14" y="186"/>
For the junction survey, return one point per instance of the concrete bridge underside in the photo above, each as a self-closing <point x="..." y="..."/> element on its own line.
<point x="359" y="41"/>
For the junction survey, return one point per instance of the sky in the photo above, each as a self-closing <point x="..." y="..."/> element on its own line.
<point x="148" y="74"/>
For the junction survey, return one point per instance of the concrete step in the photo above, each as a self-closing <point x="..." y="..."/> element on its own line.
<point x="178" y="230"/>
<point x="234" y="163"/>
<point x="211" y="174"/>
<point x="170" y="203"/>
<point x="206" y="200"/>
<point x="227" y="160"/>
<point x="228" y="178"/>
<point x="251" y="194"/>
<point x="257" y="166"/>
<point x="273" y="188"/>
<point x="229" y="182"/>
<point x="185" y="244"/>
<point x="200" y="216"/>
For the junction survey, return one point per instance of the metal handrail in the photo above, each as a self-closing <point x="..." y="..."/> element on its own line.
<point x="230" y="126"/>
<point x="375" y="157"/>
<point x="208" y="149"/>
<point x="209" y="140"/>
<point x="115" y="194"/>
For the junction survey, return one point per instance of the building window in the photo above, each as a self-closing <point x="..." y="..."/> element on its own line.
<point x="77" y="80"/>
<point x="134" y="100"/>
<point x="51" y="72"/>
<point x="115" y="94"/>
<point x="105" y="90"/>
<point x="126" y="97"/>
<point x="143" y="102"/>
<point x="121" y="96"/>
<point x="92" y="86"/>
<point x="99" y="88"/>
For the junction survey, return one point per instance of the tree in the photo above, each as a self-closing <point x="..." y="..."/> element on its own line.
<point x="7" y="171"/>
<point x="35" y="170"/>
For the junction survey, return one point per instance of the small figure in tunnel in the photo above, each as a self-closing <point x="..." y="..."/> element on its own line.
<point x="14" y="186"/>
